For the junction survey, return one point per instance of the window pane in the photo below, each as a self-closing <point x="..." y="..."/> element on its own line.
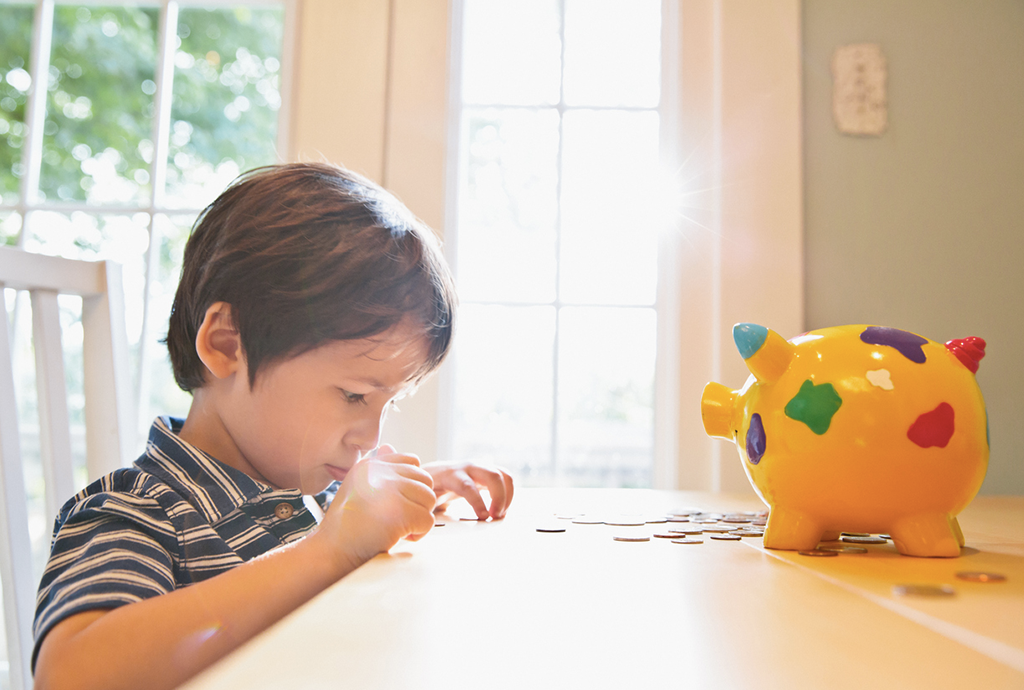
<point x="96" y="140"/>
<point x="512" y="52"/>
<point x="606" y="395"/>
<point x="504" y="378"/>
<point x="610" y="216"/>
<point x="10" y="227"/>
<point x="508" y="205"/>
<point x="15" y="36"/>
<point x="226" y="99"/>
<point x="613" y="52"/>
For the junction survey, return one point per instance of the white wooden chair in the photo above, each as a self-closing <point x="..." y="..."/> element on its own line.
<point x="108" y="426"/>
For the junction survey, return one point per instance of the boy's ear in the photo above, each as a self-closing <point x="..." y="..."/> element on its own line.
<point x="218" y="344"/>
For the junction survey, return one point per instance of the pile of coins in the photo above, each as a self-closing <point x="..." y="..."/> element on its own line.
<point x="682" y="526"/>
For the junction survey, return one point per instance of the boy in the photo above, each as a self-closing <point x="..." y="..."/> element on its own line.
<point x="309" y="301"/>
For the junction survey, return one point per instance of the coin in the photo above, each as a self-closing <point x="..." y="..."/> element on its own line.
<point x="717" y="528"/>
<point x="624" y="522"/>
<point x="856" y="534"/>
<point x="583" y="520"/>
<point x="666" y="535"/>
<point x="726" y="537"/>
<point x="676" y="518"/>
<point x="687" y="541"/>
<point x="923" y="590"/>
<point x="656" y="520"/>
<point x="843" y="549"/>
<point x="975" y="576"/>
<point x="746" y="533"/>
<point x="686" y="530"/>
<point x="625" y="538"/>
<point x="550" y="529"/>
<point x="439" y="524"/>
<point x="470" y="519"/>
<point x="818" y="552"/>
<point x="864" y="540"/>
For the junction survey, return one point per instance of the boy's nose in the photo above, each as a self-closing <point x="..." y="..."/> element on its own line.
<point x="365" y="435"/>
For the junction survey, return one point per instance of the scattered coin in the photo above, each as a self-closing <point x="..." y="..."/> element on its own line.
<point x="975" y="576"/>
<point x="666" y="535"/>
<point x="550" y="529"/>
<point x="843" y="549"/>
<point x="625" y="538"/>
<point x="923" y="590"/>
<point x="856" y="534"/>
<point x="439" y="524"/>
<point x="759" y="523"/>
<point x="717" y="528"/>
<point x="686" y="530"/>
<point x="677" y="518"/>
<point x="470" y="519"/>
<point x="746" y="533"/>
<point x="726" y="537"/>
<point x="656" y="520"/>
<point x="818" y="552"/>
<point x="687" y="541"/>
<point x="732" y="519"/>
<point x="583" y="520"/>
<point x="567" y="516"/>
<point x="864" y="540"/>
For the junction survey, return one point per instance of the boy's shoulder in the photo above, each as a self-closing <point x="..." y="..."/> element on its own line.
<point x="127" y="492"/>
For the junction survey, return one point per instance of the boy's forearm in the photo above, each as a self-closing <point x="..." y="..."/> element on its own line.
<point x="161" y="642"/>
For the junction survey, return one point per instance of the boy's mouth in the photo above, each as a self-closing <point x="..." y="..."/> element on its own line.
<point x="337" y="473"/>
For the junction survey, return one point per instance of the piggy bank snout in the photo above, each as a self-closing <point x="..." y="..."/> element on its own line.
<point x="716" y="409"/>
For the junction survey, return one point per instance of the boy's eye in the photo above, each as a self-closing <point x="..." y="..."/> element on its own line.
<point x="353" y="397"/>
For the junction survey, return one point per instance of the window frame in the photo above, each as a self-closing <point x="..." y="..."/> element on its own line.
<point x="666" y="304"/>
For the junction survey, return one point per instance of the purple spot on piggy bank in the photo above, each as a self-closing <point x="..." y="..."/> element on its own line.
<point x="756" y="440"/>
<point x="909" y="344"/>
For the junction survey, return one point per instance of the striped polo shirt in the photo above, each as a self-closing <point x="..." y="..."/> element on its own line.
<point x="175" y="517"/>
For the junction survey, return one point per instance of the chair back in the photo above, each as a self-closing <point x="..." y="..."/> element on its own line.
<point x="109" y="429"/>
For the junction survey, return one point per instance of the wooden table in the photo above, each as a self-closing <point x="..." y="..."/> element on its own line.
<point x="500" y="605"/>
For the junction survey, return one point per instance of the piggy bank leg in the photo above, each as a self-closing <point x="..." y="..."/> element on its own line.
<point x="831" y="535"/>
<point x="929" y="535"/>
<point x="791" y="530"/>
<point x="955" y="524"/>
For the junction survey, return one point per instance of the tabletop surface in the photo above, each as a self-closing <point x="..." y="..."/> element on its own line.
<point x="502" y="605"/>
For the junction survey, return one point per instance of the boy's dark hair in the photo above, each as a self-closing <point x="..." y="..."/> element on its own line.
<point x="306" y="254"/>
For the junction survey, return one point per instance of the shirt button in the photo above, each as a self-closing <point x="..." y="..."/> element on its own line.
<point x="283" y="510"/>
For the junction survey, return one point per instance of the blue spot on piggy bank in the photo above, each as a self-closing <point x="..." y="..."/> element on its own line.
<point x="857" y="428"/>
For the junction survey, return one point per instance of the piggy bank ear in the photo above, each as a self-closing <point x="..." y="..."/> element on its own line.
<point x="766" y="353"/>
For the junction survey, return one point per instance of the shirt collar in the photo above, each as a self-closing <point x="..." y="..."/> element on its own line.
<point x="213" y="488"/>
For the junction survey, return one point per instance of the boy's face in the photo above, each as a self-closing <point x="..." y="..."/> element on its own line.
<point x="308" y="419"/>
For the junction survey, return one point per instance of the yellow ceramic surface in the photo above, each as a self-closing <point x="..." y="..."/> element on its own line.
<point x="858" y="429"/>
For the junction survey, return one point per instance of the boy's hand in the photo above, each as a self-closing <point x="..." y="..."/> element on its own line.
<point x="465" y="479"/>
<point x="383" y="499"/>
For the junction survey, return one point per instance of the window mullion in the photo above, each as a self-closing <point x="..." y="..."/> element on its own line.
<point x="161" y="145"/>
<point x="35" y="110"/>
<point x="558" y="248"/>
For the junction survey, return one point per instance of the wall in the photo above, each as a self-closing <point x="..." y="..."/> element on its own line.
<point x="921" y="228"/>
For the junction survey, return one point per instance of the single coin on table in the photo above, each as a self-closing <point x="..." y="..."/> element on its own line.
<point x="628" y="538"/>
<point x="725" y="537"/>
<point x="587" y="521"/>
<point x="843" y="549"/>
<point x="667" y="535"/>
<point x="687" y="541"/>
<point x="976" y="576"/>
<point x="551" y="528"/>
<point x="865" y="540"/>
<point x="923" y="590"/>
<point x="818" y="553"/>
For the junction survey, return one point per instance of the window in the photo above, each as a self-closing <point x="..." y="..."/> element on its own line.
<point x="146" y="112"/>
<point x="558" y="222"/>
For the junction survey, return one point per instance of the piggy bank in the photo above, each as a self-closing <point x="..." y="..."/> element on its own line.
<point x="858" y="429"/>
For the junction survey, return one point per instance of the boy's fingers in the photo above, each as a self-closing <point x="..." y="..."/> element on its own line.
<point x="463" y="485"/>
<point x="494" y="481"/>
